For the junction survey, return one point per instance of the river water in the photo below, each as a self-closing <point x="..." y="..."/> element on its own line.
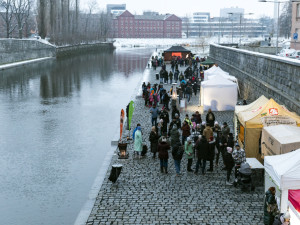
<point x="57" y="120"/>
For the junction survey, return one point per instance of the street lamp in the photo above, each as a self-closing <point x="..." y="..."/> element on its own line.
<point x="278" y="2"/>
<point x="241" y="14"/>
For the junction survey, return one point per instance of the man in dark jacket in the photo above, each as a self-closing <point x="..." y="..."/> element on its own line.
<point x="177" y="153"/>
<point x="163" y="155"/>
<point x="197" y="117"/>
<point x="211" y="154"/>
<point x="270" y="200"/>
<point x="202" y="150"/>
<point x="175" y="111"/>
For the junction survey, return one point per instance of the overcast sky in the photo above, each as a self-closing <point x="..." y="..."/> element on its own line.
<point x="183" y="7"/>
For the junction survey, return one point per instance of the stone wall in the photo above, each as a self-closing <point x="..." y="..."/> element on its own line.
<point x="14" y="50"/>
<point x="64" y="51"/>
<point x="260" y="74"/>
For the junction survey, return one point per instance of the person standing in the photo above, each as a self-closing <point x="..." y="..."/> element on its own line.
<point x="186" y="132"/>
<point x="229" y="163"/>
<point x="154" y="114"/>
<point x="210" y="118"/>
<point x="171" y="77"/>
<point x="211" y="153"/>
<point x="176" y="74"/>
<point x="270" y="206"/>
<point x="138" y="142"/>
<point x="153" y="138"/>
<point x="239" y="157"/>
<point x="197" y="117"/>
<point x="217" y="131"/>
<point x="177" y="153"/>
<point x="165" y="116"/>
<point x="163" y="155"/>
<point x="175" y="135"/>
<point x="225" y="130"/>
<point x="188" y="149"/>
<point x="202" y="149"/>
<point x="189" y="92"/>
<point x="208" y="132"/>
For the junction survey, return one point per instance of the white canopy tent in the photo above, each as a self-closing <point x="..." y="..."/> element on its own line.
<point x="214" y="69"/>
<point x="283" y="172"/>
<point x="218" y="94"/>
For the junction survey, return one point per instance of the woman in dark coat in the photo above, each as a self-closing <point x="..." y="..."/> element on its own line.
<point x="153" y="138"/>
<point x="163" y="154"/>
<point x="202" y="151"/>
<point x="186" y="131"/>
<point x="269" y="200"/>
<point x="229" y="163"/>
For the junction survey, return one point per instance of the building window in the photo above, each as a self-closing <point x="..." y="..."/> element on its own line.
<point x="298" y="11"/>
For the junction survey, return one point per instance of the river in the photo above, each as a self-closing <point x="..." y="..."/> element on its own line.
<point x="57" y="120"/>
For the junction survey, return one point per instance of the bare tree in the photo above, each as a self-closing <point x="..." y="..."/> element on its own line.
<point x="203" y="43"/>
<point x="7" y="17"/>
<point x="42" y="20"/>
<point x="285" y="20"/>
<point x="21" y="10"/>
<point x="186" y="22"/>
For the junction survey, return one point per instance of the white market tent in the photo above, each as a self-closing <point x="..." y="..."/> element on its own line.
<point x="280" y="139"/>
<point x="214" y="69"/>
<point x="218" y="94"/>
<point x="283" y="172"/>
<point x="228" y="77"/>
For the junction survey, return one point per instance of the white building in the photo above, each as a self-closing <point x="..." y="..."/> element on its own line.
<point x="200" y="17"/>
<point x="233" y="12"/>
<point x="116" y="9"/>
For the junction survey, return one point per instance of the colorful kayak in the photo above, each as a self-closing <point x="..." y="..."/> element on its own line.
<point x="121" y="122"/>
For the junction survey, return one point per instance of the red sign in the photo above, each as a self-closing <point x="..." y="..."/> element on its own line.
<point x="273" y="111"/>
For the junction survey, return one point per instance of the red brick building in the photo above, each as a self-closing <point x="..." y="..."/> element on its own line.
<point x="127" y="25"/>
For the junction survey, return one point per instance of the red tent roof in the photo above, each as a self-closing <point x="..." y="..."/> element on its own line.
<point x="294" y="198"/>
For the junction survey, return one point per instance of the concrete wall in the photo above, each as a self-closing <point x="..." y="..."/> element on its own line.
<point x="78" y="49"/>
<point x="260" y="74"/>
<point x="14" y="50"/>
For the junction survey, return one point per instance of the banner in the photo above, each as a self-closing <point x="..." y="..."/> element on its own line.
<point x="131" y="109"/>
<point x="276" y="120"/>
<point x="121" y="122"/>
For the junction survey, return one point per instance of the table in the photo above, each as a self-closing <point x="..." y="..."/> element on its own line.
<point x="258" y="172"/>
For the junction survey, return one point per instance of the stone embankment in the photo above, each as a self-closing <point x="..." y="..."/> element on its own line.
<point x="260" y="74"/>
<point x="19" y="52"/>
<point x="143" y="195"/>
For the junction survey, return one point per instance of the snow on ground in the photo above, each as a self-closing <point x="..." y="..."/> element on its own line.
<point x="16" y="64"/>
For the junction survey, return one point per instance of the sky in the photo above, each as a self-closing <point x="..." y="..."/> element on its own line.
<point x="187" y="7"/>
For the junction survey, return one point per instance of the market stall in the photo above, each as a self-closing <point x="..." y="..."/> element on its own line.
<point x="280" y="139"/>
<point x="283" y="173"/>
<point x="218" y="94"/>
<point x="176" y="51"/>
<point x="252" y="121"/>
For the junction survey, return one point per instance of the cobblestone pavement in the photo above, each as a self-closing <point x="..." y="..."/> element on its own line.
<point x="143" y="195"/>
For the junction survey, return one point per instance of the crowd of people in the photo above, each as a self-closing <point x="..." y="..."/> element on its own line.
<point x="192" y="138"/>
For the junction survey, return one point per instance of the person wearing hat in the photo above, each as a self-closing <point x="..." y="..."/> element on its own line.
<point x="229" y="163"/>
<point x="175" y="111"/>
<point x="282" y="219"/>
<point x="188" y="149"/>
<point x="239" y="157"/>
<point x="163" y="154"/>
<point x="175" y="122"/>
<point x="197" y="117"/>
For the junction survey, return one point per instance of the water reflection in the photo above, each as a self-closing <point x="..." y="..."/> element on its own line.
<point x="55" y="131"/>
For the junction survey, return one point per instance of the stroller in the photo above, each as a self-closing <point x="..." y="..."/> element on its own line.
<point x="244" y="177"/>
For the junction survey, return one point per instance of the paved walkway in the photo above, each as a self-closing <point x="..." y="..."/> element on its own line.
<point x="143" y="195"/>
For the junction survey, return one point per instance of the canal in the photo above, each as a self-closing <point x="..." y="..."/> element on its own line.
<point x="57" y="119"/>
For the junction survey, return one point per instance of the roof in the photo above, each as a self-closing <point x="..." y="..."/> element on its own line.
<point x="262" y="100"/>
<point x="218" y="81"/>
<point x="284" y="169"/>
<point x="151" y="17"/>
<point x="177" y="49"/>
<point x="285" y="134"/>
<point x="207" y="62"/>
<point x="253" y="117"/>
